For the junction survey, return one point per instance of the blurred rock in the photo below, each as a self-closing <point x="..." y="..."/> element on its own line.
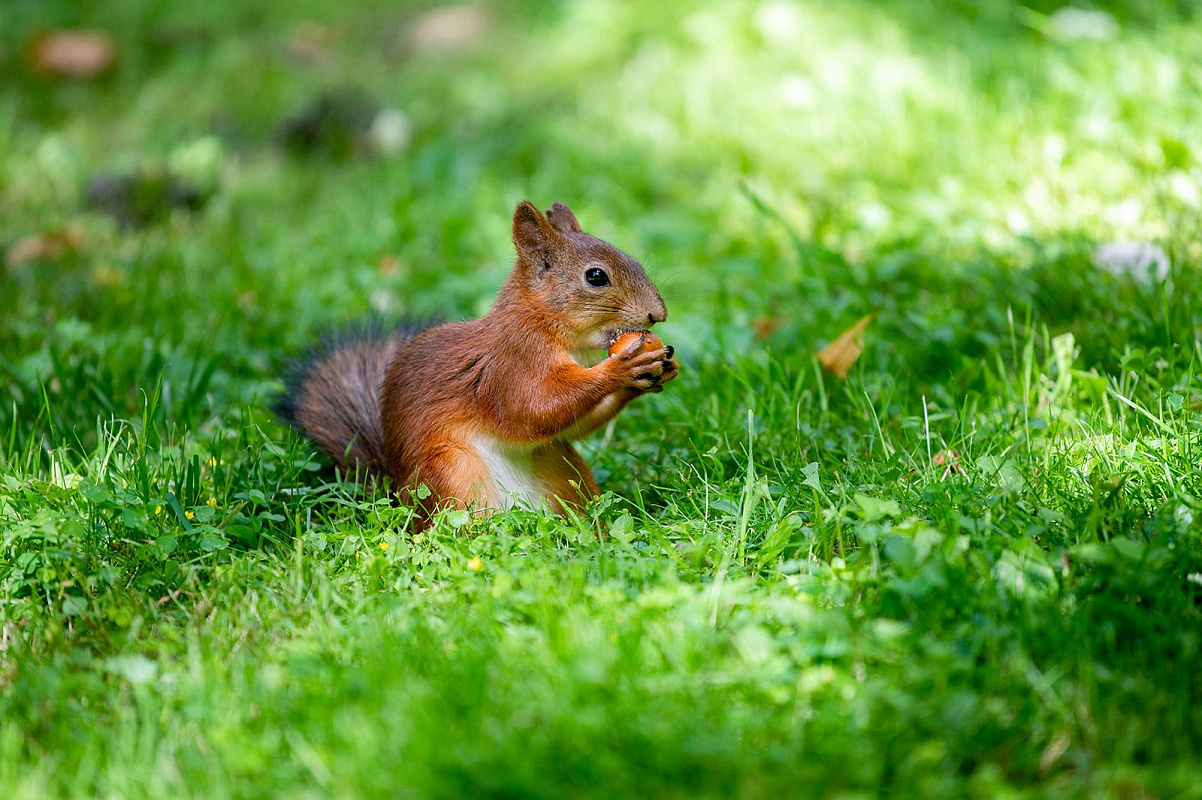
<point x="389" y="133"/>
<point x="336" y="124"/>
<point x="73" y="54"/>
<point x="345" y="124"/>
<point x="448" y="28"/>
<point x="1142" y="261"/>
<point x="137" y="199"/>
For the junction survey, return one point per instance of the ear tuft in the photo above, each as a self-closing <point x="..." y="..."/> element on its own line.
<point x="533" y="235"/>
<point x="563" y="219"/>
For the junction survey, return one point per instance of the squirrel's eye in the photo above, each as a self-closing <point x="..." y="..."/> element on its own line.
<point x="596" y="277"/>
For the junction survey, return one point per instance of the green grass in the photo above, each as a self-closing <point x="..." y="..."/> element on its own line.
<point x="971" y="569"/>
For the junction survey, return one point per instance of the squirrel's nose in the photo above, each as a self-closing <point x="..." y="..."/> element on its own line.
<point x="659" y="314"/>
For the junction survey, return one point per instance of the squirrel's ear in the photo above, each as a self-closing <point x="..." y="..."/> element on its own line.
<point x="533" y="235"/>
<point x="563" y="219"/>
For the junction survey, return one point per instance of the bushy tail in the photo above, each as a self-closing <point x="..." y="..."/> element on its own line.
<point x="332" y="393"/>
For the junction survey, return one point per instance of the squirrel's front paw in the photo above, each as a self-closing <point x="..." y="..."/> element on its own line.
<point x="671" y="370"/>
<point x="644" y="371"/>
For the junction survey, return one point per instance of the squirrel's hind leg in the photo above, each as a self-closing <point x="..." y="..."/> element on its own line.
<point x="565" y="477"/>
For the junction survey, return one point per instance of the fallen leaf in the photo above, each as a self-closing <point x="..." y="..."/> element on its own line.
<point x="448" y="28"/>
<point x="73" y="54"/>
<point x="949" y="460"/>
<point x="839" y="356"/>
<point x="946" y="457"/>
<point x="764" y="327"/>
<point x="311" y="40"/>
<point x="43" y="247"/>
<point x="388" y="264"/>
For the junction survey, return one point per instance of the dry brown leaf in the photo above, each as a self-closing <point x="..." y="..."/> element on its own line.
<point x="448" y="28"/>
<point x="949" y="460"/>
<point x="949" y="457"/>
<point x="311" y="40"/>
<point x="764" y="327"/>
<point x="74" y="54"/>
<point x="43" y="247"/>
<point x="838" y="357"/>
<point x="388" y="264"/>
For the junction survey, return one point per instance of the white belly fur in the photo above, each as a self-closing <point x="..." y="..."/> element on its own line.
<point x="512" y="472"/>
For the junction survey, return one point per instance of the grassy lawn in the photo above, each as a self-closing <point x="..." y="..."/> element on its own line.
<point x="971" y="568"/>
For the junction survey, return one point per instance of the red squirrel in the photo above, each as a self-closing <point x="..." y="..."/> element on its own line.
<point x="483" y="412"/>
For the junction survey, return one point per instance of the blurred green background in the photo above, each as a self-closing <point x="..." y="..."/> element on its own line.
<point x="776" y="160"/>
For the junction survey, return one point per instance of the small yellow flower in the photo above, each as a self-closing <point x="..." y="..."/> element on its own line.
<point x="383" y="545"/>
<point x="212" y="501"/>
<point x="189" y="514"/>
<point x="475" y="564"/>
<point x="158" y="510"/>
<point x="213" y="461"/>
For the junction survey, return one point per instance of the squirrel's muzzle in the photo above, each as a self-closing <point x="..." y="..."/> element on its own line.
<point x="658" y="312"/>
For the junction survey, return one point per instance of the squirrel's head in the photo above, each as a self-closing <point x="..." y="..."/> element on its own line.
<point x="594" y="290"/>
